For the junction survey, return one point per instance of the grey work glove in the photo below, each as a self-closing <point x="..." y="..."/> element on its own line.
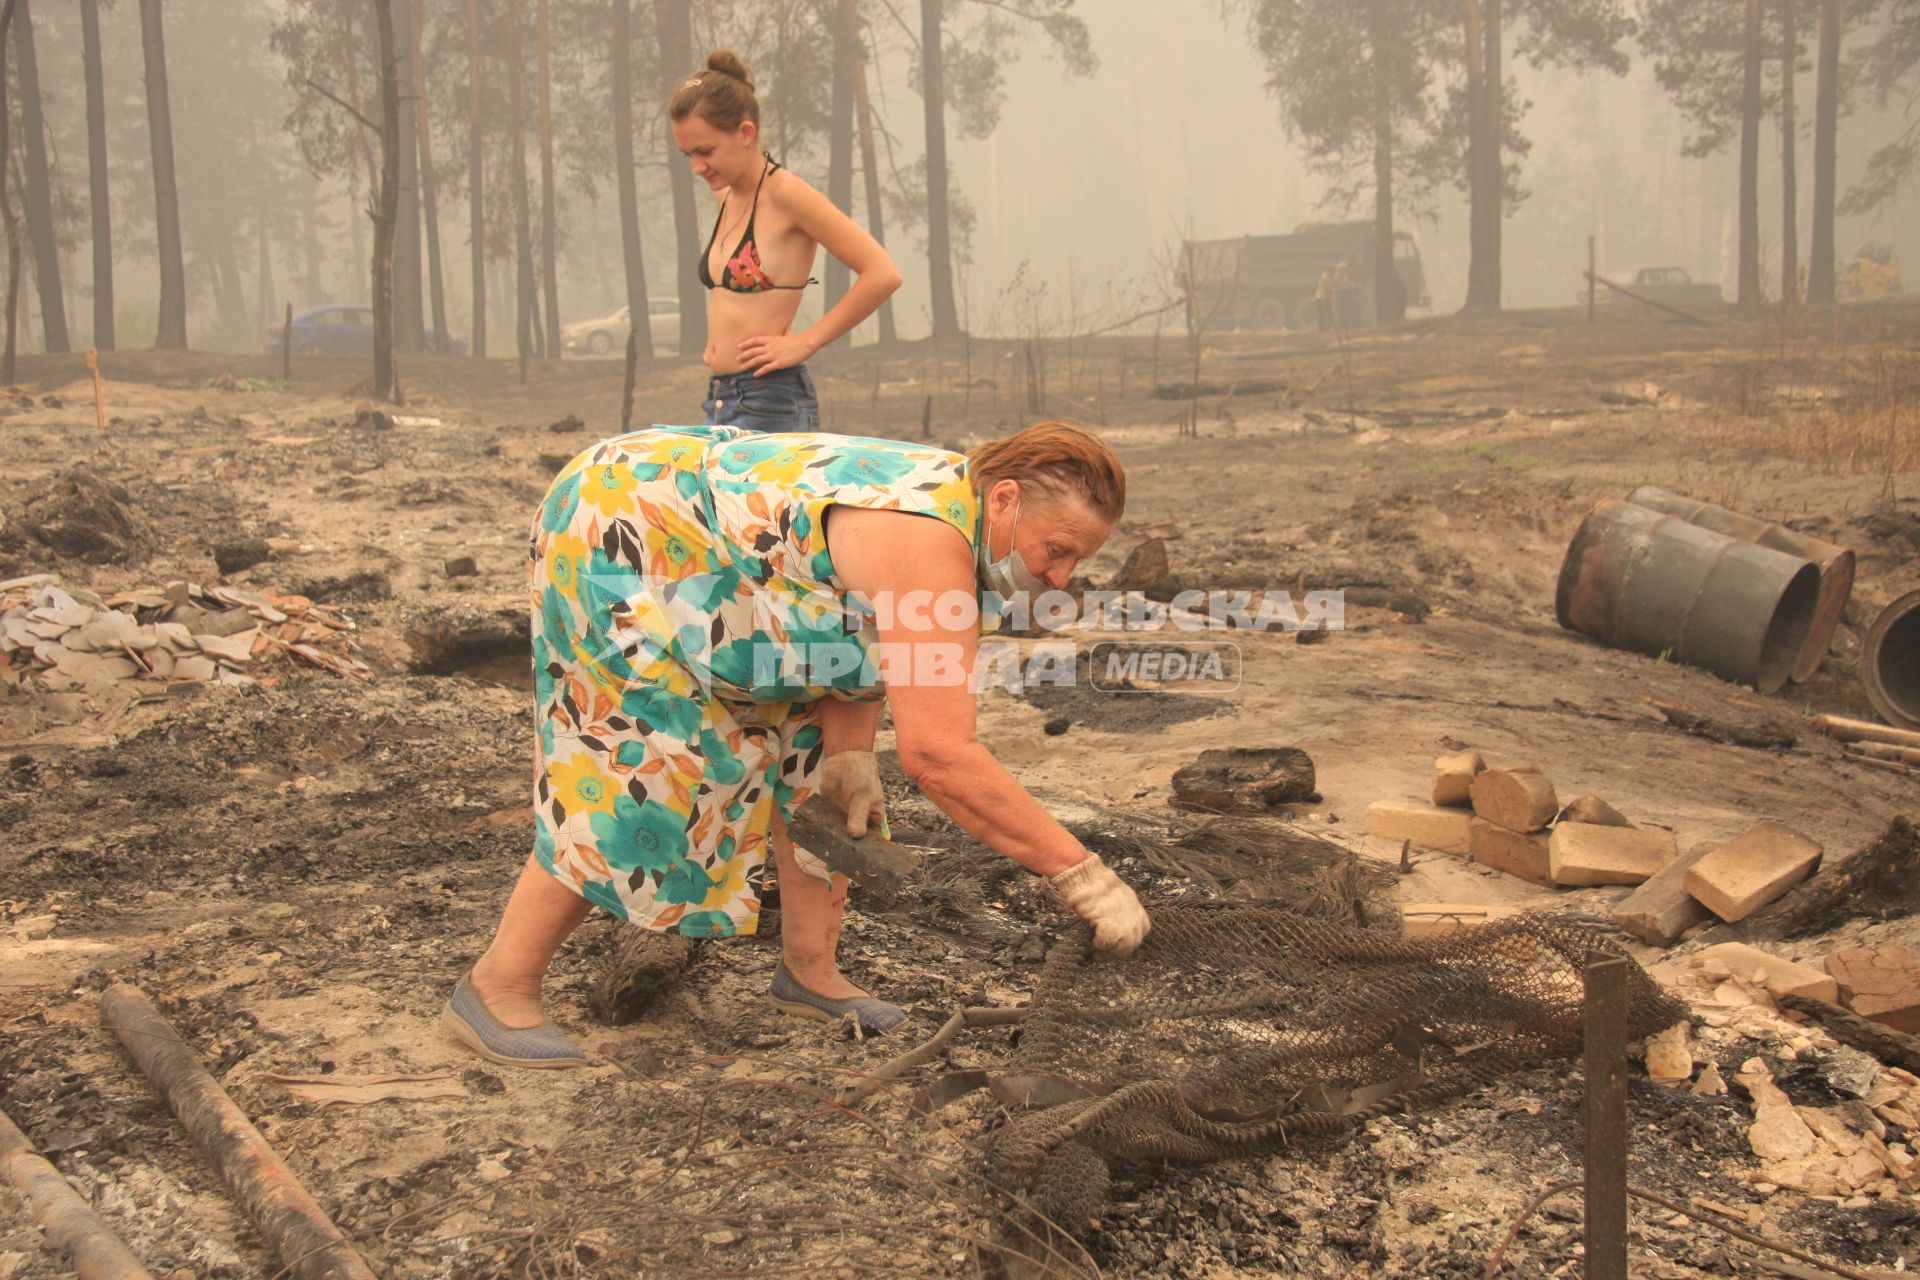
<point x="850" y="780"/>
<point x="1101" y="898"/>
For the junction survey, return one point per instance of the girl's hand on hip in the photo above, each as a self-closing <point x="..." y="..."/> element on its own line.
<point x="776" y="351"/>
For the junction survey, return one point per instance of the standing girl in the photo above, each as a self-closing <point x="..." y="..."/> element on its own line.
<point x="760" y="257"/>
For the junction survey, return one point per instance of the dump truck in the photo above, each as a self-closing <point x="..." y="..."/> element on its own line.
<point x="1268" y="282"/>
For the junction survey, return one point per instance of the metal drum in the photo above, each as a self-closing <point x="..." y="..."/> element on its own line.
<point x="1834" y="562"/>
<point x="1636" y="579"/>
<point x="1890" y="662"/>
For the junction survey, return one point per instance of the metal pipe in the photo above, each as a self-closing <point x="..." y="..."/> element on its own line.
<point x="1652" y="583"/>
<point x="1890" y="662"/>
<point x="1835" y="562"/>
<point x="68" y="1220"/>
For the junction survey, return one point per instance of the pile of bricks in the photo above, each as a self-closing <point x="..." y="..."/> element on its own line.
<point x="1511" y="820"/>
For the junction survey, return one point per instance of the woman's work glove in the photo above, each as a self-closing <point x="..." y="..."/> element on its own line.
<point x="1101" y="898"/>
<point x="850" y="780"/>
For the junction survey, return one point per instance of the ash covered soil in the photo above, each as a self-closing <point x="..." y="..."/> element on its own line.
<point x="297" y="870"/>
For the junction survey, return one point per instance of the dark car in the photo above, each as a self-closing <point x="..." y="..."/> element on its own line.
<point x="339" y="331"/>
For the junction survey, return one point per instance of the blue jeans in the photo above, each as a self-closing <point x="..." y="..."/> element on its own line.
<point x="783" y="400"/>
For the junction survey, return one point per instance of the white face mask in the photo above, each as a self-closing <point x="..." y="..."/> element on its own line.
<point x="1008" y="576"/>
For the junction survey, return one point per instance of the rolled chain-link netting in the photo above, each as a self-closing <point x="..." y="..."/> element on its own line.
<point x="1241" y="1029"/>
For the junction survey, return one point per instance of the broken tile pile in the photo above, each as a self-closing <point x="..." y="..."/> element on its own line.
<point x="1859" y="1148"/>
<point x="1511" y="819"/>
<point x="70" y="639"/>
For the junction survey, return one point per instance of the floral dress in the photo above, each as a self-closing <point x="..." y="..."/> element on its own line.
<point x="686" y="623"/>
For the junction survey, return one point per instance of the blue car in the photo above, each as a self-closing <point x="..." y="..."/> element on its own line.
<point x="339" y="331"/>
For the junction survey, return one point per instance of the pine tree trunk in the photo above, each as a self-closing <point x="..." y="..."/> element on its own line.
<point x="524" y="307"/>
<point x="313" y="253"/>
<point x="946" y="317"/>
<point x="97" y="175"/>
<point x="869" y="158"/>
<point x="429" y="184"/>
<point x="476" y="204"/>
<point x="264" y="273"/>
<point x="409" y="315"/>
<point x="846" y="54"/>
<point x="623" y="178"/>
<point x="172" y="332"/>
<point x="1789" y="175"/>
<point x="1385" y="282"/>
<point x="1493" y="176"/>
<point x="230" y="297"/>
<point x="386" y="205"/>
<point x="549" y="200"/>
<point x="7" y="361"/>
<point x="674" y="20"/>
<point x="39" y="186"/>
<point x="1822" y="259"/>
<point x="1749" y="290"/>
<point x="1483" y="288"/>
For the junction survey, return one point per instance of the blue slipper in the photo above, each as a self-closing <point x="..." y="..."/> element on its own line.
<point x="467" y="1019"/>
<point x="870" y="1015"/>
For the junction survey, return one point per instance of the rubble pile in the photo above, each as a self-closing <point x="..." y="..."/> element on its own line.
<point x="68" y="639"/>
<point x="1859" y="1147"/>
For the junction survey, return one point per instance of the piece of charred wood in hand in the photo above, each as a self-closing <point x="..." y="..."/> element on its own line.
<point x="872" y="861"/>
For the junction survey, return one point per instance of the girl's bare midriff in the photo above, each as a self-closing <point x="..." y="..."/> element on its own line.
<point x="732" y="318"/>
<point x="787" y="254"/>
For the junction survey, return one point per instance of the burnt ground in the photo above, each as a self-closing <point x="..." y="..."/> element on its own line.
<point x="297" y="871"/>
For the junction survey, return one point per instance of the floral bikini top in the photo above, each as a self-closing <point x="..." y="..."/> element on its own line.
<point x="743" y="272"/>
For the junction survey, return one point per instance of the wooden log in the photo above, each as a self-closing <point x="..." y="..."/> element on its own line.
<point x="306" y="1239"/>
<point x="1884" y="751"/>
<point x="1891" y="766"/>
<point x="1841" y="729"/>
<point x="66" y="1218"/>
<point x="1643" y="300"/>
<point x="1895" y="1048"/>
<point x="872" y="861"/>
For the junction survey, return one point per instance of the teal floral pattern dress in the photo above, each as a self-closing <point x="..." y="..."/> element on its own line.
<point x="686" y="624"/>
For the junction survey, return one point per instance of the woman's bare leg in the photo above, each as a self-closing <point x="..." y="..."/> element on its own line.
<point x="810" y="914"/>
<point x="540" y="915"/>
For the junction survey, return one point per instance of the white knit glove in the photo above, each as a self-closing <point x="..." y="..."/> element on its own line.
<point x="850" y="780"/>
<point x="1101" y="898"/>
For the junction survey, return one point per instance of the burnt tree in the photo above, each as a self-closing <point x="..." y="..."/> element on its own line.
<point x="409" y="314"/>
<point x="674" y="21"/>
<point x="101" y="205"/>
<point x="549" y="204"/>
<point x="1750" y="98"/>
<point x="1789" y="176"/>
<point x="621" y="81"/>
<point x="476" y="204"/>
<point x="869" y="159"/>
<point x="172" y="331"/>
<point x="429" y="185"/>
<point x="386" y="205"/>
<point x="946" y="315"/>
<point x="38" y="174"/>
<point x="846" y="60"/>
<point x="1822" y="259"/>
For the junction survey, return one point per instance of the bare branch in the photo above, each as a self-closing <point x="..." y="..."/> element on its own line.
<point x="343" y="104"/>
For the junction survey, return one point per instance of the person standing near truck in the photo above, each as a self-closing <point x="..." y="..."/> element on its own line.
<point x="1323" y="300"/>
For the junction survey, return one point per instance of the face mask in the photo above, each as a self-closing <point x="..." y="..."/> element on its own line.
<point x="1008" y="576"/>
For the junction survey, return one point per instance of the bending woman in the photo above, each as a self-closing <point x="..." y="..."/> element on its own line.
<point x="703" y="664"/>
<point x="759" y="259"/>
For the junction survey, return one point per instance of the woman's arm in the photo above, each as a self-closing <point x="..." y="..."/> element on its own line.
<point x="887" y="556"/>
<point x="849" y="726"/>
<point x="876" y="277"/>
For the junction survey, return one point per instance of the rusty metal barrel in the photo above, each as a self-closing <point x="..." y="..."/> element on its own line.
<point x="1636" y="579"/>
<point x="1890" y="662"/>
<point x="1835" y="562"/>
